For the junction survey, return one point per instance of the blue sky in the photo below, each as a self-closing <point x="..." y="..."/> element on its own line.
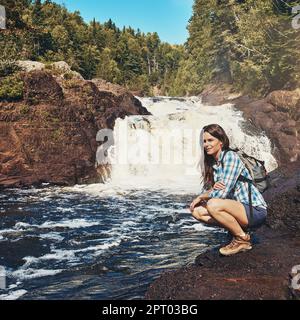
<point x="169" y="18"/>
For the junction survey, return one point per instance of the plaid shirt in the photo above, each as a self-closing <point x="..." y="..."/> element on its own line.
<point x="235" y="189"/>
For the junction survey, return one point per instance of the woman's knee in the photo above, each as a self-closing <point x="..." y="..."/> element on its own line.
<point x="199" y="212"/>
<point x="213" y="205"/>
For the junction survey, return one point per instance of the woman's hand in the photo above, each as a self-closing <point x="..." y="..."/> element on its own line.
<point x="219" y="185"/>
<point x="195" y="202"/>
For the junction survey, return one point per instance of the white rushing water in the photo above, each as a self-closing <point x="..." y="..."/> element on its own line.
<point x="162" y="151"/>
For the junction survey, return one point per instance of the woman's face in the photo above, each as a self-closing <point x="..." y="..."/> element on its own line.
<point x="212" y="145"/>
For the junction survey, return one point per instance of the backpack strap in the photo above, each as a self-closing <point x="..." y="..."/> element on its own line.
<point x="242" y="178"/>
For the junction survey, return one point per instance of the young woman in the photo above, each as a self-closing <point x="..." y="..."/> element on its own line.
<point x="226" y="203"/>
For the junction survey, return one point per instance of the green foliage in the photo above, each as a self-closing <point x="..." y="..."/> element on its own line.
<point x="250" y="44"/>
<point x="71" y="83"/>
<point x="45" y="31"/>
<point x="11" y="88"/>
<point x="247" y="43"/>
<point x="107" y="67"/>
<point x="8" y="54"/>
<point x="24" y="109"/>
<point x="140" y="83"/>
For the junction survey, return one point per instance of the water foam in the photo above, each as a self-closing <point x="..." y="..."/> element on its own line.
<point x="30" y="273"/>
<point x="13" y="295"/>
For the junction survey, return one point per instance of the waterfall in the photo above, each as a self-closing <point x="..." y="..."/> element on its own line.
<point x="163" y="150"/>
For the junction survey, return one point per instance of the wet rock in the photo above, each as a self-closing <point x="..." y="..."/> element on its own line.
<point x="295" y="282"/>
<point x="261" y="273"/>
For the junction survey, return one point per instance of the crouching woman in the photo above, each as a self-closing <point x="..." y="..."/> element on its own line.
<point x="226" y="203"/>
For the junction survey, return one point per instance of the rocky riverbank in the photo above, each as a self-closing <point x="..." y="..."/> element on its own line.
<point x="266" y="271"/>
<point x="48" y="134"/>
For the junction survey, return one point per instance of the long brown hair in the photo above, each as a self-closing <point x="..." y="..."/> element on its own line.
<point x="218" y="132"/>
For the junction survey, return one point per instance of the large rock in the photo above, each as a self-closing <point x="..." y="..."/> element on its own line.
<point x="50" y="136"/>
<point x="286" y="101"/>
<point x="104" y="85"/>
<point x="65" y="69"/>
<point x="59" y="67"/>
<point x="40" y="86"/>
<point x="260" y="274"/>
<point x="279" y="125"/>
<point x="28" y="65"/>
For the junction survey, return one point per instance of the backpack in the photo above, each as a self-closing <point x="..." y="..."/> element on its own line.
<point x="256" y="168"/>
<point x="258" y="172"/>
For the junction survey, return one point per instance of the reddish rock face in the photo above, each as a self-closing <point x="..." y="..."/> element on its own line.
<point x="280" y="124"/>
<point x="50" y="136"/>
<point x="287" y="101"/>
<point x="41" y="87"/>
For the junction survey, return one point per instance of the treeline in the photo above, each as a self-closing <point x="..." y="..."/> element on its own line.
<point x="47" y="32"/>
<point x="248" y="43"/>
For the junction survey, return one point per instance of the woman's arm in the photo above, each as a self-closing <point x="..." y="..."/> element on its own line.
<point x="205" y="196"/>
<point x="232" y="168"/>
<point x="200" y="198"/>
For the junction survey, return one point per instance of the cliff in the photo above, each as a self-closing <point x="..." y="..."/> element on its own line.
<point x="48" y="133"/>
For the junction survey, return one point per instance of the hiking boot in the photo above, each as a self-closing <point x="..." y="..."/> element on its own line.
<point x="238" y="244"/>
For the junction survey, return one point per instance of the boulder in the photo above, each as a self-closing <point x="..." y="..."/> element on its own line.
<point x="40" y="86"/>
<point x="283" y="100"/>
<point x="28" y="65"/>
<point x="64" y="68"/>
<point x="104" y="85"/>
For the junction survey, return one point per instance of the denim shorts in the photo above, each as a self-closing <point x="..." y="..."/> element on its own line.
<point x="259" y="215"/>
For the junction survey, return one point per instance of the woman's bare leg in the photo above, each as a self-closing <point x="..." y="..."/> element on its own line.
<point x="230" y="214"/>
<point x="201" y="214"/>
